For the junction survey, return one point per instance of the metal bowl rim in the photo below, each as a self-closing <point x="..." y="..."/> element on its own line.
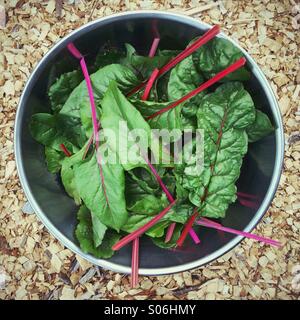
<point x="279" y="134"/>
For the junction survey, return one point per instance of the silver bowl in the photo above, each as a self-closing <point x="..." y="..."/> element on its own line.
<point x="260" y="172"/>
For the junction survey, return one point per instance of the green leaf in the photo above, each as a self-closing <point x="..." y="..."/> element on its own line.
<point x="215" y="56"/>
<point x="67" y="174"/>
<point x="183" y="79"/>
<point x="179" y="213"/>
<point x="53" y="159"/>
<point x="101" y="79"/>
<point x="84" y="234"/>
<point x="62" y="88"/>
<point x="149" y="204"/>
<point x="99" y="230"/>
<point x="116" y="110"/>
<point x="86" y="116"/>
<point x="106" y="202"/>
<point x="143" y="193"/>
<point x="53" y="130"/>
<point x="224" y="115"/>
<point x="160" y="242"/>
<point x="168" y="120"/>
<point x="260" y="128"/>
<point x="144" y="65"/>
<point x="157" y="230"/>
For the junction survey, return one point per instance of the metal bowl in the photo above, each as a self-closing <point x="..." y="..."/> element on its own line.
<point x="260" y="173"/>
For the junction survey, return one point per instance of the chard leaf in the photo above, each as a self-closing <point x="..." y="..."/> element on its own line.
<point x="260" y="128"/>
<point x="84" y="234"/>
<point x="224" y="115"/>
<point x="67" y="174"/>
<point x="108" y="202"/>
<point x="117" y="109"/>
<point x="179" y="213"/>
<point x="183" y="79"/>
<point x="53" y="159"/>
<point x="158" y="229"/>
<point x="144" y="65"/>
<point x="168" y="120"/>
<point x="99" y="230"/>
<point x="143" y="193"/>
<point x="53" y="130"/>
<point x="86" y="116"/>
<point x="123" y="76"/>
<point x="215" y="56"/>
<point x="62" y="88"/>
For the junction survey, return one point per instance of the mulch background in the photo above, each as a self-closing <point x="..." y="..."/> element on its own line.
<point x="36" y="266"/>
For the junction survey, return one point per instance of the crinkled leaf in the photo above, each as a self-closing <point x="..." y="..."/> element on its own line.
<point x="216" y="55"/>
<point x="224" y="115"/>
<point x="53" y="130"/>
<point x="183" y="79"/>
<point x="260" y="128"/>
<point x="62" y="88"/>
<point x="84" y="234"/>
<point x="106" y="200"/>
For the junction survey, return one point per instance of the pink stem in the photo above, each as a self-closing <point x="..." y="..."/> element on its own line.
<point x="135" y="263"/>
<point x="194" y="236"/>
<point x="153" y="48"/>
<point x="142" y="229"/>
<point x="247" y="195"/>
<point x="149" y="84"/>
<point x="170" y="232"/>
<point x="237" y="232"/>
<point x="65" y="150"/>
<point x="75" y="52"/>
<point x="159" y="180"/>
<point x="249" y="204"/>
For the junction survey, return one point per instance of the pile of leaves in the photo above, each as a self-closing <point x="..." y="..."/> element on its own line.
<point x="127" y="196"/>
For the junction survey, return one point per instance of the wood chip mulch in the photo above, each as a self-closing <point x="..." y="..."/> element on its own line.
<point x="33" y="265"/>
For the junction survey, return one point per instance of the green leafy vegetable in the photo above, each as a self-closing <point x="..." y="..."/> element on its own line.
<point x="62" y="88"/>
<point x="260" y="128"/>
<point x="84" y="233"/>
<point x="53" y="130"/>
<point x="108" y="202"/>
<point x="217" y="55"/>
<point x="170" y="119"/>
<point x="124" y="77"/>
<point x="54" y="159"/>
<point x="224" y="116"/>
<point x="122" y="196"/>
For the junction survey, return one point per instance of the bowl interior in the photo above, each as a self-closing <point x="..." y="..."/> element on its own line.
<point x="45" y="188"/>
